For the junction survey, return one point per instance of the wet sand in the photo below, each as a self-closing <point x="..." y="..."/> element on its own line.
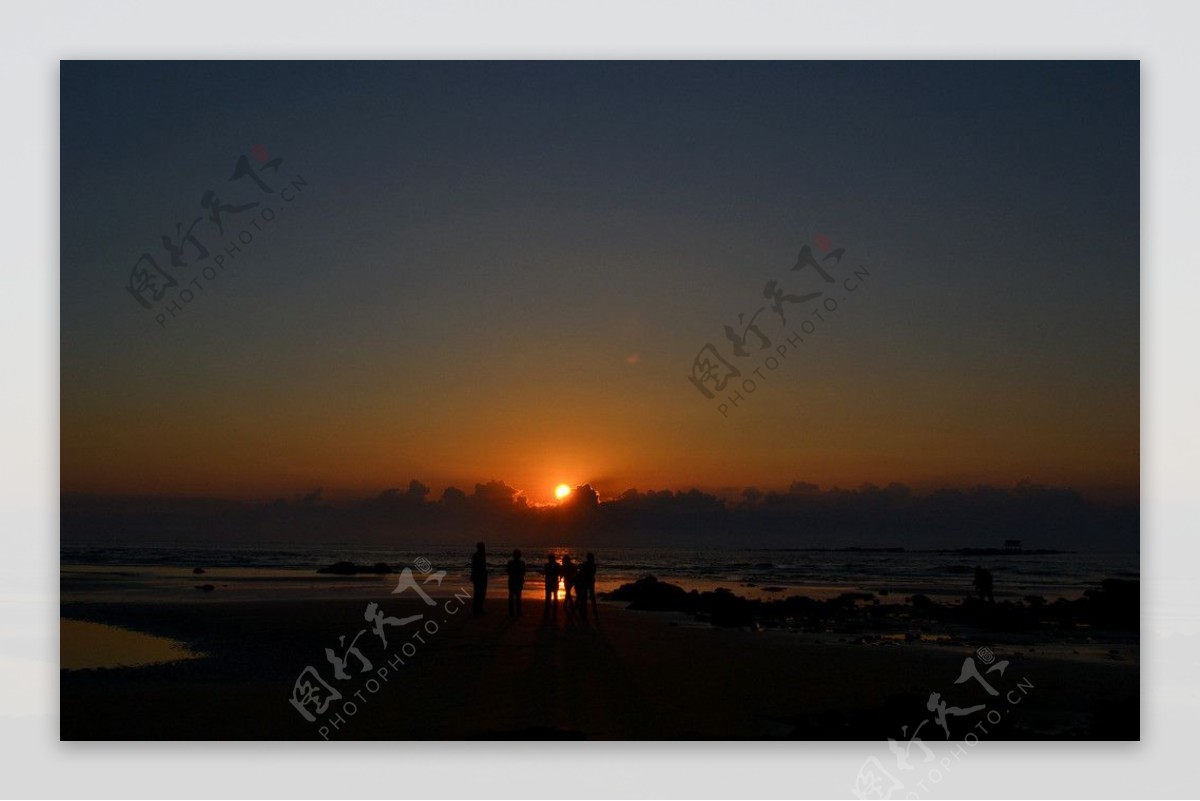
<point x="96" y="645"/>
<point x="623" y="675"/>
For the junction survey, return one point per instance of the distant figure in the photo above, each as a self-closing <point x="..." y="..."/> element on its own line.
<point x="479" y="578"/>
<point x="585" y="585"/>
<point x="569" y="571"/>
<point x="983" y="584"/>
<point x="516" y="582"/>
<point x="551" y="570"/>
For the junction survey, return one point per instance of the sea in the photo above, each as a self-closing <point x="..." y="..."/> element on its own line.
<point x="748" y="572"/>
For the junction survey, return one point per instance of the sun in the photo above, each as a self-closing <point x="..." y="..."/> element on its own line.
<point x="562" y="491"/>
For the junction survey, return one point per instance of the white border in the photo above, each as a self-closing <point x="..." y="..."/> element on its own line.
<point x="33" y="38"/>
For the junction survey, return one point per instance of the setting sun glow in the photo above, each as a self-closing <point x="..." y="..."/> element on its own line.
<point x="562" y="491"/>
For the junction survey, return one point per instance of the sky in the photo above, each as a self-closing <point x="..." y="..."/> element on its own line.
<point x="506" y="270"/>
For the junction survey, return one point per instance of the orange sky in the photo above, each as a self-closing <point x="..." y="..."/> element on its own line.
<point x="492" y="274"/>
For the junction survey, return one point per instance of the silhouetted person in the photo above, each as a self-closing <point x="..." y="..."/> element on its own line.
<point x="585" y="585"/>
<point x="983" y="584"/>
<point x="551" y="569"/>
<point x="516" y="582"/>
<point x="569" y="571"/>
<point x="479" y="578"/>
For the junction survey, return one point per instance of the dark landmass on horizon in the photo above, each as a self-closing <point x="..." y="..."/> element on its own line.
<point x="805" y="516"/>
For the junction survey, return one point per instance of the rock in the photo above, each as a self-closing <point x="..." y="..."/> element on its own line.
<point x="205" y="587"/>
<point x="648" y="593"/>
<point x="198" y="570"/>
<point x="726" y="609"/>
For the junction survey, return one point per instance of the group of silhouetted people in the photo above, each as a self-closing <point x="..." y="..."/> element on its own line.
<point x="578" y="581"/>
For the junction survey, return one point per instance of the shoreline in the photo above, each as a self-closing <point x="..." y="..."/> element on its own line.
<point x="171" y="582"/>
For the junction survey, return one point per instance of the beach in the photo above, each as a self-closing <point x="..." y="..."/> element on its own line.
<point x="619" y="674"/>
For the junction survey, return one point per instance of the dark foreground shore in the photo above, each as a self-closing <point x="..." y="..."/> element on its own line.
<point x="621" y="675"/>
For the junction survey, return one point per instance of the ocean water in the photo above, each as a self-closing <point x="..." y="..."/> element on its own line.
<point x="752" y="573"/>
